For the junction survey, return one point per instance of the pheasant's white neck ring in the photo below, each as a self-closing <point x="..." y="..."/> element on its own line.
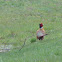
<point x="41" y="27"/>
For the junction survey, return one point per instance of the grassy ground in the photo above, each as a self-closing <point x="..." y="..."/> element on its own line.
<point x="19" y="19"/>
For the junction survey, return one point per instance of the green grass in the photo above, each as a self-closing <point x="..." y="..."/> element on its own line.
<point x="19" y="20"/>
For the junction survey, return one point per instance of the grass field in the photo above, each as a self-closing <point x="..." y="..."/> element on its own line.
<point x="19" y="20"/>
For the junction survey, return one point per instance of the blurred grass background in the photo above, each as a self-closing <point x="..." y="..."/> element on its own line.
<point x="19" y="19"/>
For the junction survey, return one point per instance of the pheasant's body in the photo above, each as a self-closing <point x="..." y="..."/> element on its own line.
<point x="40" y="33"/>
